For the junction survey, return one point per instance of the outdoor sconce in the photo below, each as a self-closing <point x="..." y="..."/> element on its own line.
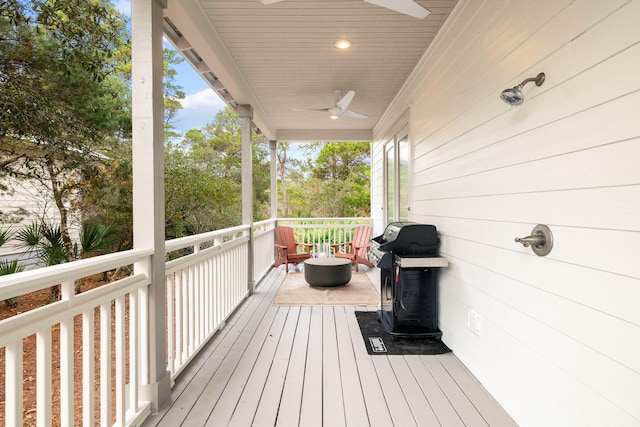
<point x="514" y="95"/>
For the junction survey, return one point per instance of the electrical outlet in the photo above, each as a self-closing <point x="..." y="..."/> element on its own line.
<point x="473" y="322"/>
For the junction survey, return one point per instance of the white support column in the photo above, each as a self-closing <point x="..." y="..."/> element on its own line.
<point x="273" y="146"/>
<point x="148" y="191"/>
<point x="245" y="112"/>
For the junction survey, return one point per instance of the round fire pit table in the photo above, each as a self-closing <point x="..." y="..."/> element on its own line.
<point x="327" y="271"/>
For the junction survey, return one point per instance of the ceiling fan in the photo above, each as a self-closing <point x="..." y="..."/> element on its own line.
<point x="341" y="109"/>
<point x="407" y="7"/>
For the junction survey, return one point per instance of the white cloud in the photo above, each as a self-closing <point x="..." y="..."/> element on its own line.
<point x="198" y="109"/>
<point x="206" y="98"/>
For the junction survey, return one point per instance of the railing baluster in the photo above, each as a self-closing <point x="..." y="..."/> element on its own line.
<point x="43" y="377"/>
<point x="133" y="352"/>
<point x="88" y="368"/>
<point x="105" y="364"/>
<point x="171" y="340"/>
<point x="66" y="372"/>
<point x="120" y="361"/>
<point x="13" y="383"/>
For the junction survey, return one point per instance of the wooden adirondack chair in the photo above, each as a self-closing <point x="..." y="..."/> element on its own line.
<point x="287" y="248"/>
<point x="357" y="247"/>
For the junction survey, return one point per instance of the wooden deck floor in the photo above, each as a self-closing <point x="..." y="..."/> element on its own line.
<point x="308" y="366"/>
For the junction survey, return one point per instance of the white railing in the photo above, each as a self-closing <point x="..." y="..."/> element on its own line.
<point x="71" y="341"/>
<point x="203" y="288"/>
<point x="206" y="279"/>
<point x="323" y="232"/>
<point x="263" y="253"/>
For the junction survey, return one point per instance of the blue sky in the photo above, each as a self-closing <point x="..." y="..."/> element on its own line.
<point x="201" y="103"/>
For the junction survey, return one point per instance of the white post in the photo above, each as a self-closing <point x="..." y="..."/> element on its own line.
<point x="245" y="112"/>
<point x="273" y="146"/>
<point x="148" y="191"/>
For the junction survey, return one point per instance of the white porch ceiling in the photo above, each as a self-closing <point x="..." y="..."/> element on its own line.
<point x="281" y="58"/>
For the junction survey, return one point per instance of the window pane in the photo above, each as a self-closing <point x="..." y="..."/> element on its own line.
<point x="390" y="183"/>
<point x="403" y="178"/>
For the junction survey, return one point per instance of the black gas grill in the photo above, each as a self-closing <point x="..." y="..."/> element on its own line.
<point x="407" y="256"/>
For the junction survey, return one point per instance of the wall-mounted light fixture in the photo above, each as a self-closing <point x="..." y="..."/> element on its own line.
<point x="514" y="95"/>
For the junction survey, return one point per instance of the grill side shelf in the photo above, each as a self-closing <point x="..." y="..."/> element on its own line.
<point x="419" y="262"/>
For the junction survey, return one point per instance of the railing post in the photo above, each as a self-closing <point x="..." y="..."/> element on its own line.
<point x="245" y="112"/>
<point x="148" y="192"/>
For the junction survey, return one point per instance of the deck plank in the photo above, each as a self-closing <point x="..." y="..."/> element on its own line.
<point x="355" y="410"/>
<point x="417" y="401"/>
<point x="332" y="399"/>
<point x="267" y="412"/>
<point x="195" y="377"/>
<point x="468" y="413"/>
<point x="311" y="410"/>
<point x="240" y="368"/>
<point x="396" y="402"/>
<point x="442" y="407"/>
<point x="490" y="410"/>
<point x="308" y="366"/>
<point x="291" y="402"/>
<point x="249" y="398"/>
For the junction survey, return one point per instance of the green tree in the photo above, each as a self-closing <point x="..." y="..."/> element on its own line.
<point x="333" y="182"/>
<point x="203" y="178"/>
<point x="59" y="99"/>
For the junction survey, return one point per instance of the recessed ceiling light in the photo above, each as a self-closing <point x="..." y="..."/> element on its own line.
<point x="343" y="44"/>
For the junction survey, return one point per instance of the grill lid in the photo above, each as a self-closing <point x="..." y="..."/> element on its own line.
<point x="408" y="238"/>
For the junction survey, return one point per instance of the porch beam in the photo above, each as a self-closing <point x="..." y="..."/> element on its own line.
<point x="148" y="191"/>
<point x="245" y="112"/>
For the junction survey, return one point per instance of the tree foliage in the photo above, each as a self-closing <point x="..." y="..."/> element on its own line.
<point x="333" y="182"/>
<point x="203" y="178"/>
<point x="60" y="95"/>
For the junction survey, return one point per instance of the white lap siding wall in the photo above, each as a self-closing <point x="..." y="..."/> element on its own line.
<point x="559" y="340"/>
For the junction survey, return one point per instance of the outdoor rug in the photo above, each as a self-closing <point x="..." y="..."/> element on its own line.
<point x="296" y="291"/>
<point x="378" y="341"/>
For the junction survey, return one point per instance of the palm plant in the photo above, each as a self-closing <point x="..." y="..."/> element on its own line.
<point x="93" y="238"/>
<point x="45" y="242"/>
<point x="10" y="267"/>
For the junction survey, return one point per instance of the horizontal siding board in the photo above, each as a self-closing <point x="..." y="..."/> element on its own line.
<point x="601" y="378"/>
<point x="609" y="165"/>
<point x="572" y="208"/>
<point x="566" y="56"/>
<point x="563" y="368"/>
<point x="581" y="323"/>
<point x="616" y="295"/>
<point x="497" y="356"/>
<point x="603" y="124"/>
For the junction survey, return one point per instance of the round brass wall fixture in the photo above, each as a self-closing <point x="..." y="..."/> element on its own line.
<point x="540" y="240"/>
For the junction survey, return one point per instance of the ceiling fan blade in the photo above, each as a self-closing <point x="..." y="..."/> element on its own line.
<point x="353" y="114"/>
<point x="343" y="104"/>
<point x="268" y="2"/>
<point x="408" y="7"/>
